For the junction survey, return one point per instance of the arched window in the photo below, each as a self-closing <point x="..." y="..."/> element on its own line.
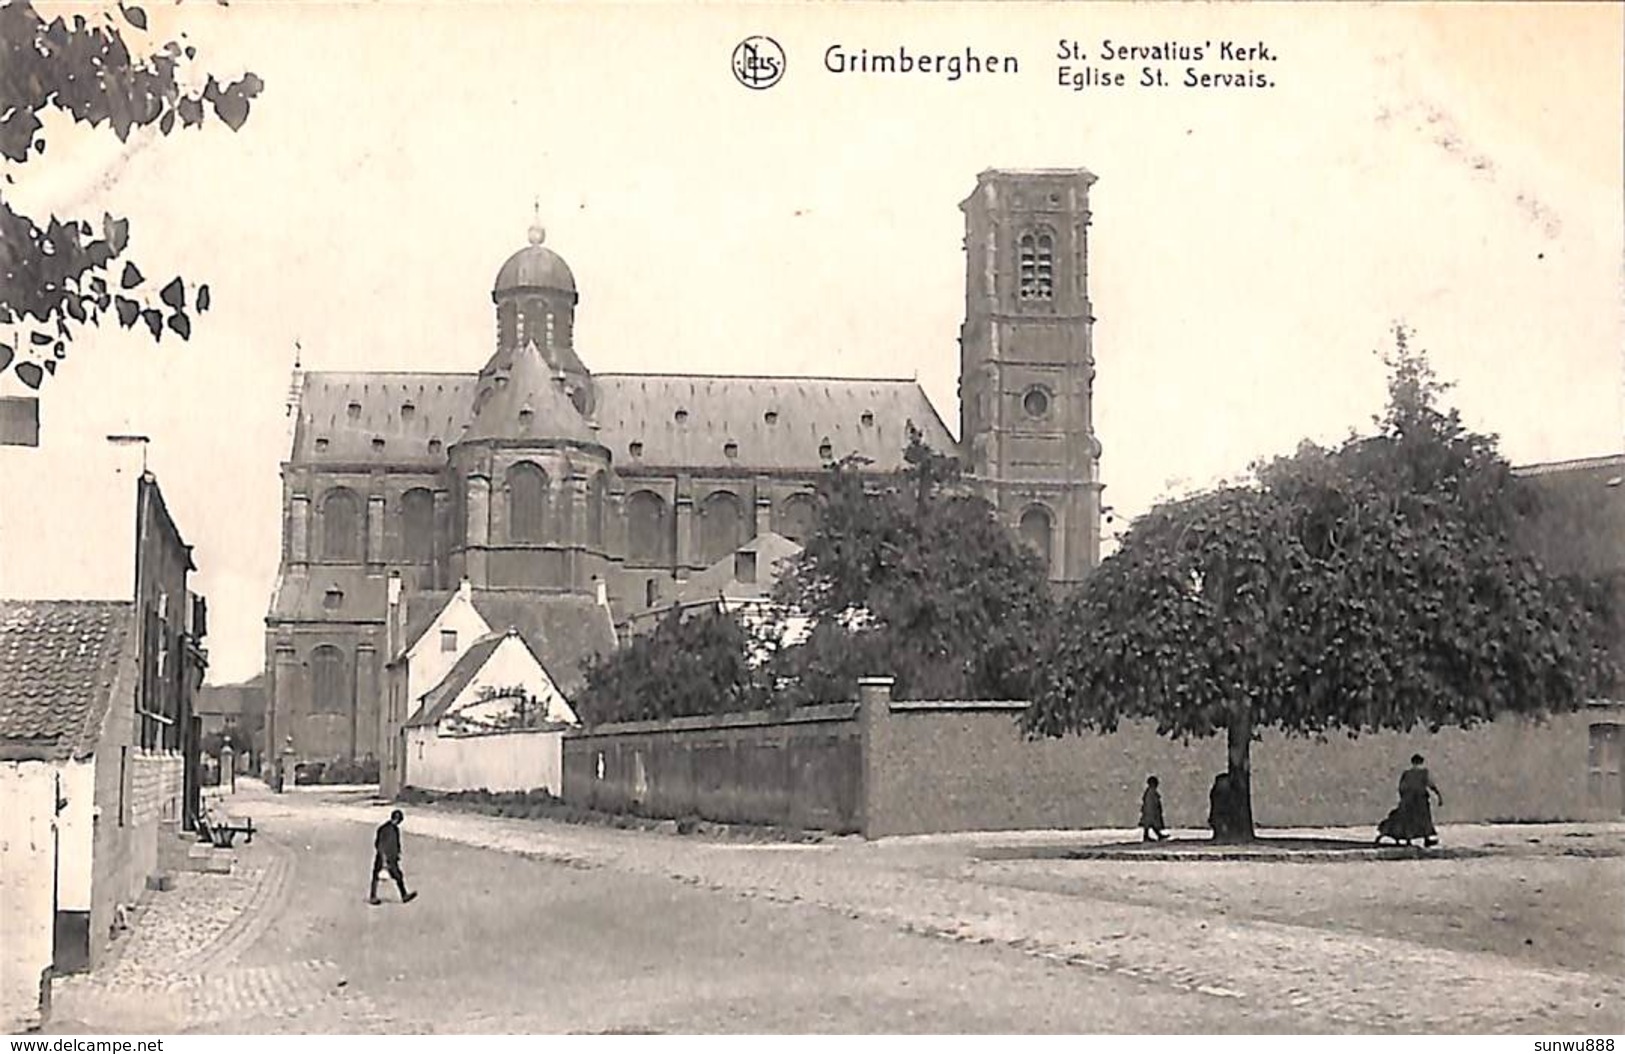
<point x="1037" y="263"/>
<point x="649" y="538"/>
<point x="329" y="683"/>
<point x="417" y="525"/>
<point x="597" y="498"/>
<point x="798" y="517"/>
<point x="1035" y="531"/>
<point x="722" y="526"/>
<point x="527" y="503"/>
<point x="341" y="526"/>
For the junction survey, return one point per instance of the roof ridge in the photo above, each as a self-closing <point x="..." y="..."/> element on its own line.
<point x="68" y="601"/>
<point x="1540" y="468"/>
<point x="390" y="373"/>
<point x="762" y="377"/>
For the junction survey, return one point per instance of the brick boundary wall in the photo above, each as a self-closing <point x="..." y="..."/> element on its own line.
<point x="960" y="766"/>
<point x="882" y="767"/>
<point x="801" y="769"/>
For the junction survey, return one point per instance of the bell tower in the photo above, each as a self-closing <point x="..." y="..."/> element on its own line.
<point x="1027" y="361"/>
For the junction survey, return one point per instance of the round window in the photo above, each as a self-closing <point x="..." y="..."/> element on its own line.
<point x="1036" y="402"/>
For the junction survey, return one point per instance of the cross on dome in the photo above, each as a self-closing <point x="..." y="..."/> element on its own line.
<point x="538" y="233"/>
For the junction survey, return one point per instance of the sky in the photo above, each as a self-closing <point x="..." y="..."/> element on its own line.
<point x="1455" y="167"/>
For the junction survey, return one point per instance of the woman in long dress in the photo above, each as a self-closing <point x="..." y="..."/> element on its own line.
<point x="1413" y="817"/>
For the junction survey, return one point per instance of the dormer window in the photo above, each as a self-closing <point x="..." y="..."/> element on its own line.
<point x="448" y="640"/>
<point x="378" y="442"/>
<point x="745" y="566"/>
<point x="1037" y="268"/>
<point x="635" y="449"/>
<point x="435" y="446"/>
<point x="730" y="450"/>
<point x="353" y="411"/>
<point x="868" y="419"/>
<point x="681" y="416"/>
<point x="826" y="450"/>
<point x="771" y="417"/>
<point x="525" y="417"/>
<point x="408" y="411"/>
<point x="321" y="444"/>
<point x="334" y="599"/>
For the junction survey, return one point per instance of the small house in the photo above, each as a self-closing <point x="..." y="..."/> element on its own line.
<point x="494" y="722"/>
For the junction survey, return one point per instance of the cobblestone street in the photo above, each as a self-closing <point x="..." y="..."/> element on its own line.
<point x="530" y="926"/>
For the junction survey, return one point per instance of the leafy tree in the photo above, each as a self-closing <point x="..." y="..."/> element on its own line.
<point x="233" y="736"/>
<point x="58" y="275"/>
<point x="1380" y="584"/>
<point x="692" y="663"/>
<point x="911" y="574"/>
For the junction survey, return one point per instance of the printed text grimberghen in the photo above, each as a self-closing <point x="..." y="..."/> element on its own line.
<point x="1205" y="64"/>
<point x="840" y="59"/>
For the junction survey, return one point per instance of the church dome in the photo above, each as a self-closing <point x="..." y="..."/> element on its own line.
<point x="535" y="267"/>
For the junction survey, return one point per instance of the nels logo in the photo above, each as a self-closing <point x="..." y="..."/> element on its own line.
<point x="758" y="62"/>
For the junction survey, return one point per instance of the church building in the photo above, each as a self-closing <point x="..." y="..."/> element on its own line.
<point x="576" y="499"/>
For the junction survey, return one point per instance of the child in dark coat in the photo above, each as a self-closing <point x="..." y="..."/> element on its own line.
<point x="1151" y="822"/>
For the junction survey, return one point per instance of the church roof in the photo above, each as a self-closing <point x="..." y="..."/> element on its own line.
<point x="761" y="422"/>
<point x="679" y="420"/>
<point x="343" y="417"/>
<point x="328" y="594"/>
<point x="526" y="401"/>
<point x="61" y="663"/>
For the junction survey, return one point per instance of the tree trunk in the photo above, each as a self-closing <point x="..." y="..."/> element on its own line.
<point x="1239" y="734"/>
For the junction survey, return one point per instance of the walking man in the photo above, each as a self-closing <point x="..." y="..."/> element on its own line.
<point x="386" y="856"/>
<point x="1151" y="812"/>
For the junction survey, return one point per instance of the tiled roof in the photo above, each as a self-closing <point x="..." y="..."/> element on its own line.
<point x="1580" y="526"/>
<point x="680" y="420"/>
<point x="329" y="432"/>
<point x="421" y="611"/>
<point x="773" y="422"/>
<point x="247" y="698"/>
<point x="1583" y="464"/>
<point x="437" y="699"/>
<point x="718" y="580"/>
<point x="61" y="664"/>
<point x="523" y="401"/>
<point x="562" y="631"/>
<point x="304" y="597"/>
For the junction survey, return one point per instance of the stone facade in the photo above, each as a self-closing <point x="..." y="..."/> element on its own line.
<point x="1027" y="365"/>
<point x="537" y="478"/>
